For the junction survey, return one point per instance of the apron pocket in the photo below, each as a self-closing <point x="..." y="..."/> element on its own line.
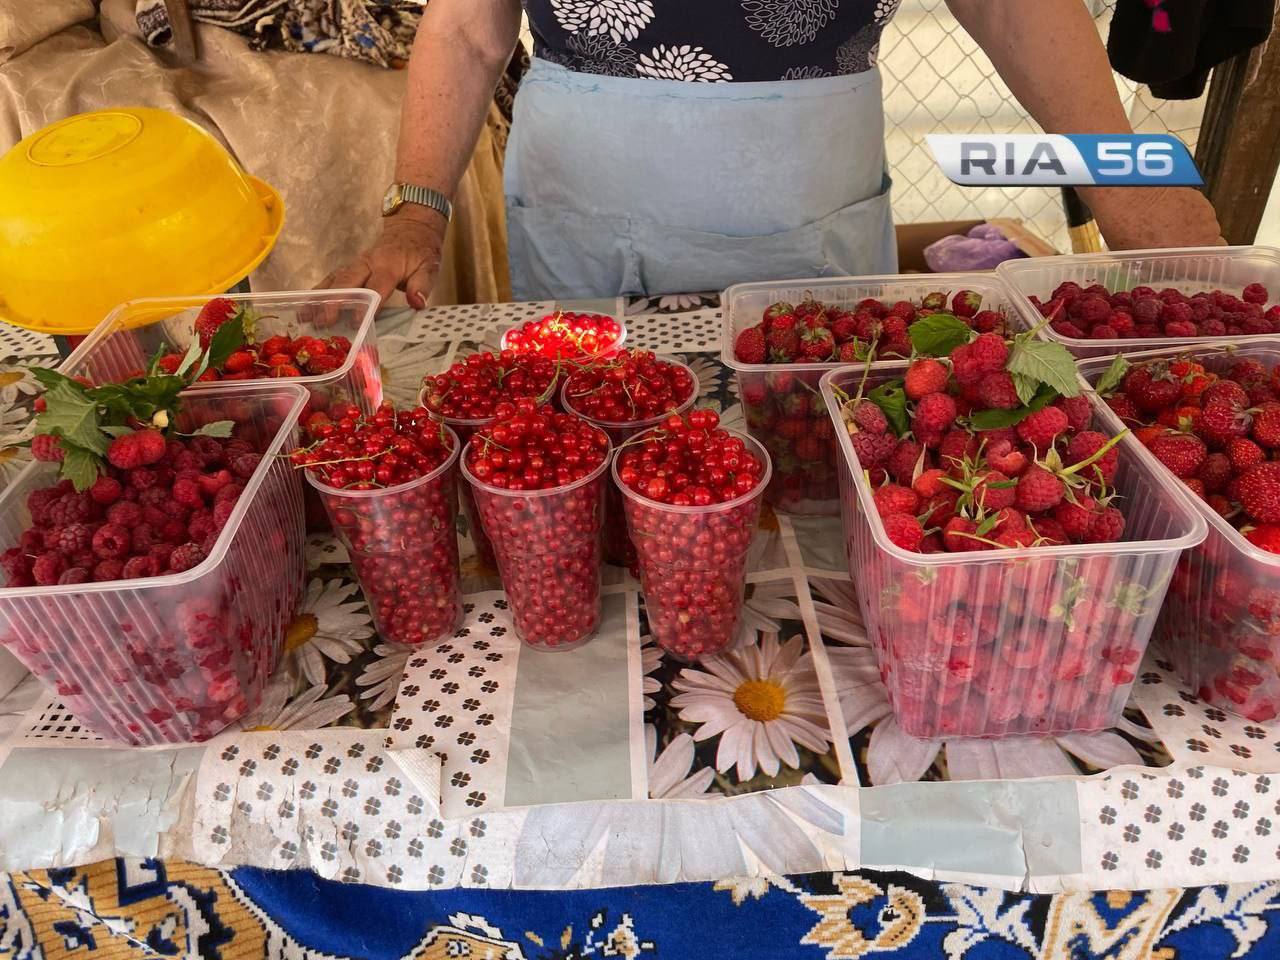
<point x="561" y="254"/>
<point x="852" y="241"/>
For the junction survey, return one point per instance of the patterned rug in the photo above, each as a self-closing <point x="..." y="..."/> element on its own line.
<point x="147" y="908"/>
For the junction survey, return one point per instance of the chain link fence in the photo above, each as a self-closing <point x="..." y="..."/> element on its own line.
<point x="937" y="80"/>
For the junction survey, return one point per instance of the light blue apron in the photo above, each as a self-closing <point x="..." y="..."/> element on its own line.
<point x="625" y="186"/>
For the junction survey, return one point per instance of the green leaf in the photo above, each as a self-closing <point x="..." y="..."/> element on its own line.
<point x="139" y="398"/>
<point x="988" y="524"/>
<point x="1113" y="375"/>
<point x="71" y="414"/>
<point x="1049" y="363"/>
<point x="995" y="419"/>
<point x="114" y="431"/>
<point x="51" y="378"/>
<point x="219" y="428"/>
<point x="892" y="399"/>
<point x="153" y="367"/>
<point x="79" y="466"/>
<point x="190" y="357"/>
<point x="227" y="339"/>
<point x="1025" y="386"/>
<point x="938" y="334"/>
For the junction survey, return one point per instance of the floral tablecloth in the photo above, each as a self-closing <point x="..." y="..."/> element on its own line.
<point x="481" y="765"/>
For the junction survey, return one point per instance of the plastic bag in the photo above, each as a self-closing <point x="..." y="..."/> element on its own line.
<point x="983" y="248"/>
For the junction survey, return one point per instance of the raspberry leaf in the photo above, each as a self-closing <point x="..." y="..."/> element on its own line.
<point x="938" y="334"/>
<point x="114" y="431"/>
<point x="71" y="414"/>
<point x="1025" y="386"/>
<point x="79" y="466"/>
<point x="1113" y="375"/>
<point x="219" y="428"/>
<point x="892" y="399"/>
<point x="1049" y="363"/>
<point x="227" y="340"/>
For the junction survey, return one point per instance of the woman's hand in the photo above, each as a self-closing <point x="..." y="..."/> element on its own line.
<point x="406" y="257"/>
<point x="1145" y="218"/>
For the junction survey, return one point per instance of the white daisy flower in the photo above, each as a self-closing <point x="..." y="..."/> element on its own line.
<point x="310" y="710"/>
<point x="708" y="372"/>
<point x="669" y="777"/>
<point x="329" y="626"/>
<point x="15" y="430"/>
<point x="672" y="302"/>
<point x="682" y="63"/>
<point x="650" y="660"/>
<point x="761" y="700"/>
<point x="15" y="383"/>
<point x="381" y="678"/>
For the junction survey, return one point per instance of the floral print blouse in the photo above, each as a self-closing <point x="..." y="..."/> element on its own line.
<point x="710" y="41"/>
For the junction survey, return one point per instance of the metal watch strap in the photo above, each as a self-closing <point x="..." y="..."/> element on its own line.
<point x="426" y="197"/>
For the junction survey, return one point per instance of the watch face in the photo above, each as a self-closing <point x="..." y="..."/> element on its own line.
<point x="391" y="199"/>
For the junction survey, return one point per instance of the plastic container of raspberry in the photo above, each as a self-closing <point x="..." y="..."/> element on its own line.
<point x="1220" y="626"/>
<point x="175" y="658"/>
<point x="404" y="548"/>
<point x="693" y="563"/>
<point x="617" y="545"/>
<point x="547" y="544"/>
<point x="133" y="332"/>
<point x="999" y="643"/>
<point x="781" y="400"/>
<point x="1189" y="270"/>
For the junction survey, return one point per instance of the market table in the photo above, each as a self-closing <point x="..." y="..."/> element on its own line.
<point x="428" y="785"/>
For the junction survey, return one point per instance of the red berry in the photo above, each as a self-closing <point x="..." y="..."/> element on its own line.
<point x="212" y="316"/>
<point x="138" y="449"/>
<point x="1038" y="489"/>
<point x="1083" y="446"/>
<point x="1255" y="293"/>
<point x="925" y="376"/>
<point x="903" y="530"/>
<point x="48" y="568"/>
<point x="1181" y="453"/>
<point x="106" y="490"/>
<point x="997" y="392"/>
<point x="892" y="498"/>
<point x="1265" y="537"/>
<point x="185" y="557"/>
<point x="111" y="542"/>
<point x="1243" y="454"/>
<point x="750" y="345"/>
<point x="934" y="415"/>
<point x="47" y="447"/>
<point x="1041" y="428"/>
<point x="1260" y="492"/>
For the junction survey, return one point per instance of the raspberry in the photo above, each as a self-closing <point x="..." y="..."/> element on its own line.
<point x="1076" y="517"/>
<point x="1181" y="328"/>
<point x="1146" y="310"/>
<point x="1090" y="310"/>
<point x="994" y="491"/>
<point x="1260" y="492"/>
<point x="1266" y="425"/>
<point x="187" y="493"/>
<point x="126" y="513"/>
<point x="1079" y="412"/>
<point x="989" y="352"/>
<point x="108" y="570"/>
<point x="75" y="575"/>
<point x="903" y="530"/>
<point x="1038" y="490"/>
<point x="74" y="538"/>
<point x="867" y="416"/>
<point x="1220" y="421"/>
<point x="1065" y="328"/>
<point x="893" y="498"/>
<point x="1107" y="526"/>
<point x="1247" y="370"/>
<point x="140" y="566"/>
<point x="1041" y="428"/>
<point x="201" y="525"/>
<point x="142" y="537"/>
<point x="929" y="483"/>
<point x="1006" y="458"/>
<point x="138" y="449"/>
<point x="997" y="392"/>
<point x="185" y="557"/>
<point x="872" y="449"/>
<point x="1255" y="293"/>
<point x="244" y="465"/>
<point x="1243" y="454"/>
<point x="1084" y="445"/>
<point x="1176" y="312"/>
<point x="106" y="490"/>
<point x="957" y="446"/>
<point x="924" y="377"/>
<point x="142" y="478"/>
<point x="1121" y="321"/>
<point x="48" y="448"/>
<point x="111" y="542"/>
<point x="71" y="508"/>
<point x="210" y="450"/>
<point x="160" y="553"/>
<point x="1215" y="472"/>
<point x="901" y="464"/>
<point x="230" y="492"/>
<point x="934" y="415"/>
<point x="1182" y="453"/>
<point x="48" y="568"/>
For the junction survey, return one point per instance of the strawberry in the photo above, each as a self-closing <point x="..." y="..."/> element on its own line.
<point x="925" y="376"/>
<point x="1041" y="428"/>
<point x="1243" y="454"/>
<point x="1260" y="492"/>
<point x="1182" y="453"/>
<point x="240" y="361"/>
<point x="1247" y="371"/>
<point x="774" y="311"/>
<point x="1123" y="407"/>
<point x="1219" y="421"/>
<point x="903" y="530"/>
<point x="844" y="327"/>
<point x="326" y="363"/>
<point x="966" y="303"/>
<point x="750" y="346"/>
<point x="851" y="351"/>
<point x="1227" y="390"/>
<point x="169" y="364"/>
<point x="1265" y="537"/>
<point x="1151" y="387"/>
<point x="1266" y="425"/>
<point x="1215" y="472"/>
<point x="933" y="302"/>
<point x="783" y="339"/>
<point x="988" y="321"/>
<point x="212" y="316"/>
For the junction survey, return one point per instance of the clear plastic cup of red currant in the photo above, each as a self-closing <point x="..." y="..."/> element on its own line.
<point x="693" y="563"/>
<point x="617" y="545"/>
<point x="547" y="544"/>
<point x="403" y="544"/>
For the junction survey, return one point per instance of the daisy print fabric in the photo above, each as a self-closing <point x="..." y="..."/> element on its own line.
<point x="712" y="41"/>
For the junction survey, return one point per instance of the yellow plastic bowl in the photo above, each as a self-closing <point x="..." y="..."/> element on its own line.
<point x="114" y="205"/>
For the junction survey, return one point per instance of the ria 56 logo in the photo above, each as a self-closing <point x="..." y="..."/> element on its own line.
<point x="1071" y="160"/>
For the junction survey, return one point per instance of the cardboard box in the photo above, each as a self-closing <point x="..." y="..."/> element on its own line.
<point x="914" y="237"/>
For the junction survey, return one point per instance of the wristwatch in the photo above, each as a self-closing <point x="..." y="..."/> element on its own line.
<point x="398" y="194"/>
